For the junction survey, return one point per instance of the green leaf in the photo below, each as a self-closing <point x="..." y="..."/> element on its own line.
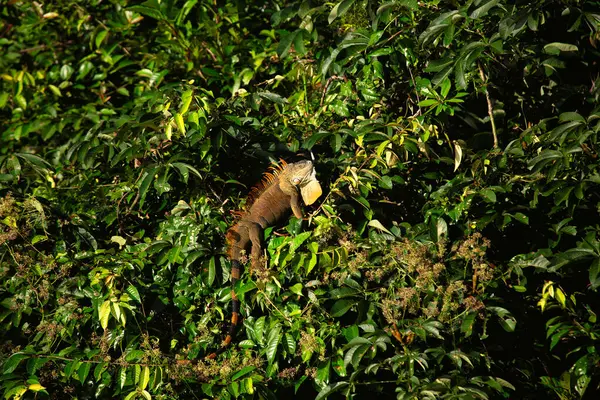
<point x="13" y="362"/>
<point x="481" y="11"/>
<point x="342" y="292"/>
<point x="467" y="324"/>
<point x="539" y="262"/>
<point x="180" y="124"/>
<point x="322" y="376"/>
<point x="65" y="72"/>
<point x="433" y="327"/>
<point x="488" y="194"/>
<point x="298" y="240"/>
<point x="100" y="38"/>
<point x="7" y="177"/>
<point x="312" y="262"/>
<point x="330" y="389"/>
<point x="377" y="225"/>
<point x="35" y="387"/>
<point x="104" y="313"/>
<point x="131" y="395"/>
<point x="119" y="240"/>
<point x="428" y="102"/>
<point x="286" y="42"/>
<point x="259" y="328"/>
<point x="243" y="372"/>
<point x="15" y="392"/>
<point x="412" y="4"/>
<point x="21" y="101"/>
<point x="34" y="160"/>
<point x="571" y="116"/>
<point x="314" y="139"/>
<point x="84" y="69"/>
<point x="148" y="177"/>
<point x="70" y="368"/>
<point x="562" y="195"/>
<point x="327" y="63"/>
<point x="144" y="378"/>
<point x="212" y="271"/>
<point x="137" y="371"/>
<point x="544" y="157"/>
<point x="340" y="108"/>
<point x="386" y="182"/>
<point x="433" y="31"/>
<point x="577" y="254"/>
<point x="297" y="289"/>
<point x="522" y="218"/>
<point x="3" y="99"/>
<point x="34" y="364"/>
<point x="133" y="293"/>
<point x="506" y="320"/>
<point x="594" y="274"/>
<point x="439" y="65"/>
<point x="299" y="41"/>
<point x="100" y="368"/>
<point x="290" y="343"/>
<point x="134" y="355"/>
<point x="274" y="97"/>
<point x="556" y="48"/>
<point x="562" y="130"/>
<point x="83" y="371"/>
<point x="55" y="90"/>
<point x="342" y="306"/>
<point x="186" y="167"/>
<point x="186" y="100"/>
<point x="533" y="22"/>
<point x="272" y="342"/>
<point x="122" y="377"/>
<point x="39" y="238"/>
<point x="339" y="9"/>
<point x="147" y="11"/>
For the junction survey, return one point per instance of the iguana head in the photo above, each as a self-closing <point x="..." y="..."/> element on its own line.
<point x="302" y="175"/>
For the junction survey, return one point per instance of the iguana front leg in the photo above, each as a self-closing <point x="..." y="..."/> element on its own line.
<point x="295" y="203"/>
<point x="255" y="232"/>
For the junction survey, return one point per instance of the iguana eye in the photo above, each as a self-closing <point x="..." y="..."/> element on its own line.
<point x="296" y="180"/>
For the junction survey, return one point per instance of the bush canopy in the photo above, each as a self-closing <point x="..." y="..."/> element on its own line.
<point x="454" y="254"/>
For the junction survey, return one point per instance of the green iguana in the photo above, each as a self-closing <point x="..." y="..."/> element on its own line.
<point x="270" y="201"/>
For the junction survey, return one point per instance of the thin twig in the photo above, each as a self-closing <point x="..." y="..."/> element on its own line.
<point x="392" y="37"/>
<point x="209" y="51"/>
<point x="489" y="104"/>
<point x="45" y="46"/>
<point x="333" y="77"/>
<point x="289" y="321"/>
<point x="412" y="79"/>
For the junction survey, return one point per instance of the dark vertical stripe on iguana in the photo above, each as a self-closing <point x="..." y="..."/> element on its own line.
<point x="235" y="302"/>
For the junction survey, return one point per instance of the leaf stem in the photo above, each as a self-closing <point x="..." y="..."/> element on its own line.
<point x="489" y="104"/>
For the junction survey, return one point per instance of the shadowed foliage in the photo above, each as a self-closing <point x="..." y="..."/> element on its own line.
<point x="454" y="254"/>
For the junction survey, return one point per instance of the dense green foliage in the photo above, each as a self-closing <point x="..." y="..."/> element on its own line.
<point x="455" y="253"/>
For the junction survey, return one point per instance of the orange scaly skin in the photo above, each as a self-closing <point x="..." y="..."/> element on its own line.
<point x="270" y="202"/>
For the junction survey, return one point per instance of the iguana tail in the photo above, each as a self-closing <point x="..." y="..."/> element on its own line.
<point x="235" y="310"/>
